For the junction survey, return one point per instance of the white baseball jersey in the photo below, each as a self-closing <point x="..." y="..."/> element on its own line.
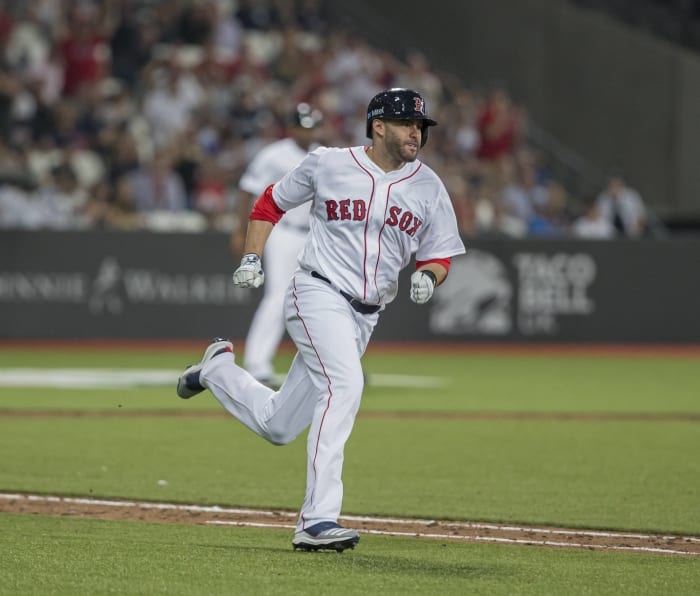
<point x="267" y="167"/>
<point x="365" y="223"/>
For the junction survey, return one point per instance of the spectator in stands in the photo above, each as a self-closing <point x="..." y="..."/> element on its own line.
<point x="28" y="46"/>
<point x="84" y="47"/>
<point x="463" y="202"/>
<point x="18" y="210"/>
<point x="195" y="25"/>
<point x="132" y="42"/>
<point x="550" y="217"/>
<point x="48" y="76"/>
<point x="173" y="95"/>
<point x="464" y="114"/>
<point x="226" y="36"/>
<point x="62" y="200"/>
<point x="622" y="206"/>
<point x="155" y="186"/>
<point x="55" y="205"/>
<point x="591" y="225"/>
<point x="259" y="15"/>
<point x="289" y="62"/>
<point x="121" y="212"/>
<point x="119" y="151"/>
<point x="311" y="16"/>
<point x="521" y="194"/>
<point x="500" y="126"/>
<point x="65" y="129"/>
<point x="10" y="87"/>
<point x="17" y="187"/>
<point x="491" y="218"/>
<point x="211" y="193"/>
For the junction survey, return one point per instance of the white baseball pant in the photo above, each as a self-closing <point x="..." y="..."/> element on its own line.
<point x="323" y="389"/>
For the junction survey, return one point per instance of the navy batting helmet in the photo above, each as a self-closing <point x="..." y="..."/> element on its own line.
<point x="398" y="104"/>
<point x="305" y="117"/>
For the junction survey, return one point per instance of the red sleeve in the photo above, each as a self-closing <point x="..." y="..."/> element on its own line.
<point x="266" y="209"/>
<point x="444" y="262"/>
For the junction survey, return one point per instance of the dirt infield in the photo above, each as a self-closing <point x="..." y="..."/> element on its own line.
<point x="446" y="530"/>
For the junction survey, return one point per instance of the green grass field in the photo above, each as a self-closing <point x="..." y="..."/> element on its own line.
<point x="602" y="442"/>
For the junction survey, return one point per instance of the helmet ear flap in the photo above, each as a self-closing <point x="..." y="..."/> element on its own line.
<point x="424" y="135"/>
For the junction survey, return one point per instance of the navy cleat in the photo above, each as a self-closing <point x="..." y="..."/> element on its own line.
<point x="325" y="535"/>
<point x="188" y="384"/>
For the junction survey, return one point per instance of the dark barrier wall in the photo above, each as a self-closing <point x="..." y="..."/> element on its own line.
<point x="144" y="285"/>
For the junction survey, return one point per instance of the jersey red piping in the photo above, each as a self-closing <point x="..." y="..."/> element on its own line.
<point x="381" y="231"/>
<point x="369" y="210"/>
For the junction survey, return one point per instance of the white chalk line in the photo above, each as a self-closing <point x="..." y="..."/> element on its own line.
<point x="142" y="505"/>
<point x="388" y="520"/>
<point x="120" y="378"/>
<point x="509" y="528"/>
<point x="487" y="539"/>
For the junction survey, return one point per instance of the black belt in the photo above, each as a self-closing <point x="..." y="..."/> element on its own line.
<point x="361" y="307"/>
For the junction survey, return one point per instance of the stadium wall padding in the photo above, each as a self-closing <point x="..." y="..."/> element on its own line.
<point x="95" y="285"/>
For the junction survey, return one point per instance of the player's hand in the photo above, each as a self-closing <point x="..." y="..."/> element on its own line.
<point x="250" y="274"/>
<point x="422" y="286"/>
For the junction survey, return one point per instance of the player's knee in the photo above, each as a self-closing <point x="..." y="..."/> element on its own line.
<point x="279" y="436"/>
<point x="350" y="385"/>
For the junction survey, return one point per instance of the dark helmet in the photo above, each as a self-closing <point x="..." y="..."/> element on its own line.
<point x="304" y="116"/>
<point x="398" y="104"/>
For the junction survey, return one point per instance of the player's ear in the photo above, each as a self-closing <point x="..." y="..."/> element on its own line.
<point x="377" y="128"/>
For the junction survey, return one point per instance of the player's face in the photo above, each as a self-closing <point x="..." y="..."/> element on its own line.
<point x="402" y="139"/>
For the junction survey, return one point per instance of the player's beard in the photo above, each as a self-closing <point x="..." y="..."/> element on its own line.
<point x="400" y="149"/>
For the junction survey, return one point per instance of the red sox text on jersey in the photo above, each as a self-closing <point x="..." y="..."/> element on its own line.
<point x="356" y="210"/>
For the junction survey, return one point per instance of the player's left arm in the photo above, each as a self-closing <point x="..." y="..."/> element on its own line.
<point x="438" y="267"/>
<point x="438" y="236"/>
<point x="428" y="275"/>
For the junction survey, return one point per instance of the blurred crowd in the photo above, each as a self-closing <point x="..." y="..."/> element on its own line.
<point x="142" y="114"/>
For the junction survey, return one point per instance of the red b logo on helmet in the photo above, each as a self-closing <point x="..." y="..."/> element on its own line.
<point x="420" y="105"/>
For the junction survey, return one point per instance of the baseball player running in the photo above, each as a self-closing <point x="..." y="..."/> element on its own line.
<point x="371" y="209"/>
<point x="284" y="244"/>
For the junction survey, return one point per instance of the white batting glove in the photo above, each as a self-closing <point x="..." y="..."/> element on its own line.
<point x="422" y="286"/>
<point x="250" y="274"/>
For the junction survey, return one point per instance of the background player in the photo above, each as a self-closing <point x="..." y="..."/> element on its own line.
<point x="284" y="244"/>
<point x="371" y="208"/>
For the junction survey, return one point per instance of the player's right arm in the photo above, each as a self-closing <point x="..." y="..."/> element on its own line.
<point x="256" y="236"/>
<point x="263" y="217"/>
<point x="238" y="236"/>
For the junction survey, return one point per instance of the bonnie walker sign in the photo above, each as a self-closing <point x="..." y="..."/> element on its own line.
<point x="120" y="285"/>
